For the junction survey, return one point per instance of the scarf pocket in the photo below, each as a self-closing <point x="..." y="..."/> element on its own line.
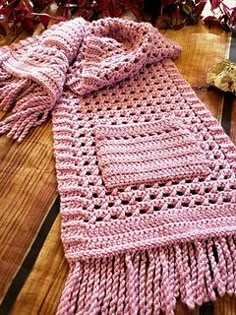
<point x="144" y="153"/>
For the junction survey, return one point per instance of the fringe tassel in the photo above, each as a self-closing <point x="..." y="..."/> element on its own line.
<point x="31" y="81"/>
<point x="157" y="283"/>
<point x="150" y="282"/>
<point x="132" y="301"/>
<point x="30" y="110"/>
<point x="72" y="287"/>
<point x="10" y="91"/>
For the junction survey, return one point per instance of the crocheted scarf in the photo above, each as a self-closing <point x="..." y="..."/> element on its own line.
<point x="146" y="175"/>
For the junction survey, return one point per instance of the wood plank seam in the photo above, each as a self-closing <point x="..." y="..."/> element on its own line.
<point x="29" y="260"/>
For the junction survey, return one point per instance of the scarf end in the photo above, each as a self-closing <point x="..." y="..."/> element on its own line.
<point x="18" y="125"/>
<point x="29" y="102"/>
<point x="151" y="281"/>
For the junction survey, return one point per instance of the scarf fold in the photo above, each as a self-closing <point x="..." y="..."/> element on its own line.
<point x="33" y="75"/>
<point x="145" y="173"/>
<point x="34" y="72"/>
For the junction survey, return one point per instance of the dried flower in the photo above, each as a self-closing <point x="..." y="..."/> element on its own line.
<point x="173" y="13"/>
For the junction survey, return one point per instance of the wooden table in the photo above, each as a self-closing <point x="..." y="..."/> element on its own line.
<point x="32" y="265"/>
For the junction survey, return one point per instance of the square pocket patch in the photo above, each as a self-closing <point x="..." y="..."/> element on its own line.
<point x="149" y="152"/>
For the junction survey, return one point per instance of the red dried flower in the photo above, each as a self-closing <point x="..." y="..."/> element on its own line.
<point x="174" y="13"/>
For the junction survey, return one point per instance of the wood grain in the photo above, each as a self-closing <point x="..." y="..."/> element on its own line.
<point x="183" y="310"/>
<point x="225" y="306"/>
<point x="27" y="189"/>
<point x="45" y="283"/>
<point x="213" y="100"/>
<point x="202" y="47"/>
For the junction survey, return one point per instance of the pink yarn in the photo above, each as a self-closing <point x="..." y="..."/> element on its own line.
<point x="145" y="173"/>
<point x="148" y="152"/>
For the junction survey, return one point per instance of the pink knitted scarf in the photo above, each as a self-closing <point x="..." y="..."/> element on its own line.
<point x="145" y="173"/>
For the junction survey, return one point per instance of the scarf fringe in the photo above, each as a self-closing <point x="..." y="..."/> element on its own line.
<point x="151" y="281"/>
<point x="30" y="106"/>
<point x="32" y="76"/>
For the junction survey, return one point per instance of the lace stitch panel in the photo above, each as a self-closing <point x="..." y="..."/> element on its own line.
<point x="89" y="201"/>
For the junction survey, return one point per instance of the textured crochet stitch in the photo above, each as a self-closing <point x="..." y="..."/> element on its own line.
<point x="145" y="173"/>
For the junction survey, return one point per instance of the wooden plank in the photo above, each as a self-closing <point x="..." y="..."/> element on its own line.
<point x="225" y="306"/>
<point x="196" y="58"/>
<point x="182" y="309"/>
<point x="213" y="99"/>
<point x="41" y="292"/>
<point x="27" y="189"/>
<point x="202" y="47"/>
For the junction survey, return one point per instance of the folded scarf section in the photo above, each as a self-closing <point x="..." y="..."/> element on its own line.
<point x="146" y="175"/>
